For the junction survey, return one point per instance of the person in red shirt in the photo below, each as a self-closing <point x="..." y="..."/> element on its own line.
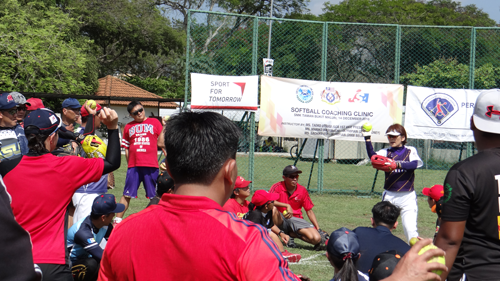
<point x="292" y="197"/>
<point x="238" y="204"/>
<point x="193" y="238"/>
<point x="140" y="140"/>
<point x="40" y="207"/>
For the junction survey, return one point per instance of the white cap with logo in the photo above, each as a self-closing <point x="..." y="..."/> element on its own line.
<point x="487" y="112"/>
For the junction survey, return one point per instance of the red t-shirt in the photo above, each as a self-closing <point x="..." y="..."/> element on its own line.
<point x="190" y="238"/>
<point x="300" y="198"/>
<point x="234" y="207"/>
<point x="41" y="188"/>
<point x="141" y="140"/>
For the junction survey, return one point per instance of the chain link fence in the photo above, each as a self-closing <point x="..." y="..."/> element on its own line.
<point x="432" y="56"/>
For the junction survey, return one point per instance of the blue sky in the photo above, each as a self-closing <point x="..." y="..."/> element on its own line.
<point x="492" y="7"/>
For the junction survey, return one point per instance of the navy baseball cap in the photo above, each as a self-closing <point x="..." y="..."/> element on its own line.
<point x="42" y="120"/>
<point x="291" y="169"/>
<point x="343" y="242"/>
<point x="7" y="101"/>
<point x="71" y="103"/>
<point x="106" y="204"/>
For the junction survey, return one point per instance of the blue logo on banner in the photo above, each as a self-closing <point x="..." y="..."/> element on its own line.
<point x="304" y="94"/>
<point x="330" y="96"/>
<point x="439" y="107"/>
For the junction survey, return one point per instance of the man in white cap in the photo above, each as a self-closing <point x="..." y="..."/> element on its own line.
<point x="470" y="219"/>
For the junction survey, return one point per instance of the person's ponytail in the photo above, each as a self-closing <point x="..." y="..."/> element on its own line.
<point x="36" y="142"/>
<point x="348" y="271"/>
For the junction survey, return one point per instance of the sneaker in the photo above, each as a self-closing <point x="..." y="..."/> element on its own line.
<point x="291" y="257"/>
<point x="291" y="243"/>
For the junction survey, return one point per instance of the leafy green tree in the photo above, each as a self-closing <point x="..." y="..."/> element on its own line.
<point x="449" y="73"/>
<point x="40" y="51"/>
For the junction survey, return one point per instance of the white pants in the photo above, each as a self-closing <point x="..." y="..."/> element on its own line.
<point x="407" y="201"/>
<point x="83" y="205"/>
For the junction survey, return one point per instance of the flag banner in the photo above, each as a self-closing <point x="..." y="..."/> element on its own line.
<point x="440" y="114"/>
<point x="224" y="92"/>
<point x="327" y="110"/>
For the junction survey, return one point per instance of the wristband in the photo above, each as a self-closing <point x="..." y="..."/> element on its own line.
<point x="281" y="231"/>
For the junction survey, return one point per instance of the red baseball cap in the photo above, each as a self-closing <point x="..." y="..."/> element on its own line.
<point x="83" y="110"/>
<point x="241" y="182"/>
<point x="34" y="104"/>
<point x="261" y="197"/>
<point x="435" y="192"/>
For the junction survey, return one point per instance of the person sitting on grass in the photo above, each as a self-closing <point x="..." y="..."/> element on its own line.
<point x="85" y="237"/>
<point x="238" y="204"/>
<point x="260" y="211"/>
<point x="292" y="198"/>
<point x="342" y="251"/>
<point x="434" y="195"/>
<point x="379" y="238"/>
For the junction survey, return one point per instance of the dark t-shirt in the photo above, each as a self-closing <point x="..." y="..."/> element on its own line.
<point x="471" y="193"/>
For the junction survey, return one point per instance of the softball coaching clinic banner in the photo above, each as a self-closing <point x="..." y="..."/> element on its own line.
<point x="224" y="92"/>
<point x="314" y="109"/>
<point x="440" y="114"/>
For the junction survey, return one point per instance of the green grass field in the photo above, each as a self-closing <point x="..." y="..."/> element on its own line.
<point x="332" y="211"/>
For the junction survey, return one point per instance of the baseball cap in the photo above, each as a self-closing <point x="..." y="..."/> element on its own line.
<point x="84" y="112"/>
<point x="241" y="182"/>
<point x="393" y="133"/>
<point x="291" y="169"/>
<point x="383" y="265"/>
<point x="106" y="204"/>
<point x="34" y="103"/>
<point x="487" y="112"/>
<point x="71" y="103"/>
<point x="45" y="121"/>
<point x="343" y="242"/>
<point x="19" y="98"/>
<point x="435" y="192"/>
<point x="7" y="101"/>
<point x="164" y="183"/>
<point x="261" y="197"/>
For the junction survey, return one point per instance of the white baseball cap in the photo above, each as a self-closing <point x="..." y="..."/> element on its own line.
<point x="393" y="133"/>
<point x="487" y="112"/>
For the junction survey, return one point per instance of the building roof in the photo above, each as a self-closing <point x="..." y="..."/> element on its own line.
<point x="114" y="87"/>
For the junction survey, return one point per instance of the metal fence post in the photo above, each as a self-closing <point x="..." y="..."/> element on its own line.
<point x="397" y="61"/>
<point x="321" y="165"/>
<point x="472" y="66"/>
<point x="251" y="149"/>
<point x="321" y="151"/>
<point x="186" y="77"/>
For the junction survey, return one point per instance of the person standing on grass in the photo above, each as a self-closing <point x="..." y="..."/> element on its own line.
<point x="40" y="207"/>
<point x="399" y="182"/>
<point x="140" y="140"/>
<point x="292" y="198"/>
<point x="378" y="238"/>
<point x="193" y="238"/>
<point x="470" y="210"/>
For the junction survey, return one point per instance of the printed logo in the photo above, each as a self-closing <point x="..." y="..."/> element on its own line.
<point x="330" y="96"/>
<point x="242" y="86"/>
<point x="304" y="94"/>
<point x="490" y="111"/>
<point x="439" y="107"/>
<point x="359" y="97"/>
<point x="447" y="193"/>
<point x="10" y="98"/>
<point x="91" y="240"/>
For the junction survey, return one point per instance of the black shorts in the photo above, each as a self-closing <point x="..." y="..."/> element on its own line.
<point x="56" y="272"/>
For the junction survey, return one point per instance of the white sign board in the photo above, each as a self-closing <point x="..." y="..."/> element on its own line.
<point x="224" y="92"/>
<point x="440" y="114"/>
<point x="314" y="109"/>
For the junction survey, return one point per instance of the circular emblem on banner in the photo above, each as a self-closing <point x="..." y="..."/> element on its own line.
<point x="304" y="94"/>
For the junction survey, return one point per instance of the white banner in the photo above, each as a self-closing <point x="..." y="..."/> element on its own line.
<point x="324" y="110"/>
<point x="224" y="92"/>
<point x="440" y="114"/>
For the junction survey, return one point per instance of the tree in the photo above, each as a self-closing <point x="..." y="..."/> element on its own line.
<point x="449" y="73"/>
<point x="406" y="12"/>
<point x="40" y="51"/>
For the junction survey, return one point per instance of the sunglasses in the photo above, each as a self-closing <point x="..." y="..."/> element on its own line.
<point x="293" y="177"/>
<point x="75" y="110"/>
<point x="22" y="108"/>
<point x="11" y="111"/>
<point x="135" y="113"/>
